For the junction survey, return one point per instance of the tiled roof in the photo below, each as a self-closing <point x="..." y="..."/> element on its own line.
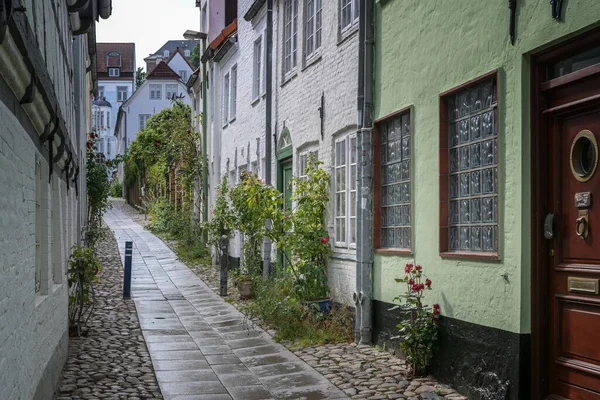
<point x="124" y="54"/>
<point x="162" y="71"/>
<point x="171" y="45"/>
<point x="225" y="33"/>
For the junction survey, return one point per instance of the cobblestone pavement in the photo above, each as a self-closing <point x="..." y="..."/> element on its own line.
<point x="361" y="372"/>
<point x="112" y="362"/>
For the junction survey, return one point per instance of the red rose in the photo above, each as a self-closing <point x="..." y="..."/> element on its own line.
<point x="92" y="135"/>
<point x="418" y="268"/>
<point x="436" y="309"/>
<point x="408" y="268"/>
<point x="411" y="281"/>
<point x="189" y="131"/>
<point x="428" y="282"/>
<point x="417" y="287"/>
<point x="107" y="163"/>
<point x="155" y="144"/>
<point x="89" y="145"/>
<point x="324" y="240"/>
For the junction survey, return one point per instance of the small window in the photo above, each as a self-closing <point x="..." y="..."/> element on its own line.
<point x="114" y="72"/>
<point x="172" y="91"/>
<point x="100" y="92"/>
<point x="225" y="99"/>
<point x="256" y="88"/>
<point x="108" y="143"/>
<point x="166" y="53"/>
<point x="303" y="162"/>
<point x="121" y="93"/>
<point x="313" y="26"/>
<point x="187" y="53"/>
<point x="183" y="74"/>
<point x="101" y="124"/>
<point x="155" y="92"/>
<point x="143" y="120"/>
<point x="392" y="147"/>
<point x="345" y="192"/>
<point x="290" y="31"/>
<point x="349" y="12"/>
<point x="233" y="102"/>
<point x="469" y="132"/>
<point x="108" y="119"/>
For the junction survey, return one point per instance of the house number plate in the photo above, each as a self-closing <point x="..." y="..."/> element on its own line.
<point x="583" y="285"/>
<point x="583" y="200"/>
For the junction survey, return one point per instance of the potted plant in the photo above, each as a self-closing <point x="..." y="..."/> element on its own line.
<point x="418" y="328"/>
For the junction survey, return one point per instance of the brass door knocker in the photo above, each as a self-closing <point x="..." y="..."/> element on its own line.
<point x="581" y="226"/>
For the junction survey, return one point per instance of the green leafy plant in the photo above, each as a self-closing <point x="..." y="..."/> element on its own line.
<point x="419" y="326"/>
<point x="222" y="221"/>
<point x="308" y="239"/>
<point x="115" y="189"/>
<point x="83" y="268"/>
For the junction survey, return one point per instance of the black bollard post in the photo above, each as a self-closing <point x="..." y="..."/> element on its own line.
<point x="127" y="281"/>
<point x="224" y="262"/>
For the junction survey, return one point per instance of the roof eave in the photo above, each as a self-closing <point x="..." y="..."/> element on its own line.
<point x="254" y="9"/>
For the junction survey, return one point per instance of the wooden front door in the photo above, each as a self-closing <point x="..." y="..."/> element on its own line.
<point x="567" y="189"/>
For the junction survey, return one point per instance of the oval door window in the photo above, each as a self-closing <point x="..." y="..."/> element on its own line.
<point x="584" y="156"/>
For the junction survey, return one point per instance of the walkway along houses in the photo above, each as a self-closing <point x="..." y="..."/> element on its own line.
<point x="47" y="81"/>
<point x="468" y="148"/>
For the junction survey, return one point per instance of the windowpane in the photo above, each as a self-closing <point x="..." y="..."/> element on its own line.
<point x="233" y="103"/>
<point x="395" y="181"/>
<point x="225" y="99"/>
<point x="473" y="171"/>
<point x="257" y="73"/>
<point x="313" y="26"/>
<point x="290" y="30"/>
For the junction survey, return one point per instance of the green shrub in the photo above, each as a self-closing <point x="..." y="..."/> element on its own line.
<point x="115" y="189"/>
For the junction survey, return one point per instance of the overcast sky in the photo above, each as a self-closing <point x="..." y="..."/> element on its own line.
<point x="148" y="24"/>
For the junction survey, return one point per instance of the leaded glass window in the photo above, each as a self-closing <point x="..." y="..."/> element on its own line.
<point x="290" y="31"/>
<point x="473" y="169"/>
<point x="345" y="192"/>
<point x="395" y="181"/>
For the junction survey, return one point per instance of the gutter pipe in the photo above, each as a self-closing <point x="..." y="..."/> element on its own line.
<point x="363" y="296"/>
<point x="268" y="128"/>
<point x="204" y="194"/>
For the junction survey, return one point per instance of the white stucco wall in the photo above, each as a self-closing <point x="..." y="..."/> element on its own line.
<point x="178" y="63"/>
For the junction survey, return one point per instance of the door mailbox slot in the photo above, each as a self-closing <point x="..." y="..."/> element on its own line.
<point x="583" y="285"/>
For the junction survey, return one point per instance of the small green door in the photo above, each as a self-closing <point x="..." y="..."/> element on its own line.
<point x="285" y="187"/>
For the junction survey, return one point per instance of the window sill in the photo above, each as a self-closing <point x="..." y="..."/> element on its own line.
<point x="232" y="120"/>
<point x="311" y="60"/>
<point x="405" y="252"/>
<point x="225" y="125"/>
<point x="255" y="101"/>
<point x="288" y="77"/>
<point x="470" y="255"/>
<point x="344" y="256"/>
<point x="347" y="33"/>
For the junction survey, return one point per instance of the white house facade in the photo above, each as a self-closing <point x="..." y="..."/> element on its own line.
<point x="45" y="110"/>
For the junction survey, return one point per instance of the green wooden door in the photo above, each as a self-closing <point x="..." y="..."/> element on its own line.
<point x="285" y="186"/>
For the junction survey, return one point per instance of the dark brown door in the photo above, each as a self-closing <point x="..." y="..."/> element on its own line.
<point x="569" y="111"/>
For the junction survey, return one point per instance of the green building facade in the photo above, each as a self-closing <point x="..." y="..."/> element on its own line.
<point x="431" y="58"/>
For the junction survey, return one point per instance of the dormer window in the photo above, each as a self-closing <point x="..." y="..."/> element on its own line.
<point x="166" y="53"/>
<point x="187" y="53"/>
<point x="114" y="72"/>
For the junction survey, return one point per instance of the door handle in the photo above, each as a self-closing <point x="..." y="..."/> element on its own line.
<point x="581" y="227"/>
<point x="549" y="226"/>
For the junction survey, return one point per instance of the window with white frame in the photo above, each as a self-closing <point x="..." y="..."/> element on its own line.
<point x="114" y="72"/>
<point x="225" y="99"/>
<point x="108" y="143"/>
<point x="211" y="93"/>
<point x="171" y="91"/>
<point x="38" y="225"/>
<point x="121" y="93"/>
<point x="155" y="92"/>
<point x="303" y="162"/>
<point x="183" y="75"/>
<point x="233" y="97"/>
<point x="108" y="119"/>
<point x="100" y="92"/>
<point x="101" y="124"/>
<point x="313" y="26"/>
<point x="290" y="30"/>
<point x="349" y="13"/>
<point x="143" y="120"/>
<point x="187" y="53"/>
<point x="166" y="53"/>
<point x="256" y="88"/>
<point x="204" y="20"/>
<point x="345" y="192"/>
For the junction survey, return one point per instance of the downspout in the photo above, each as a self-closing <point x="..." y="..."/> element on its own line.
<point x="365" y="140"/>
<point x="356" y="296"/>
<point x="268" y="130"/>
<point x="125" y="152"/>
<point x="204" y="146"/>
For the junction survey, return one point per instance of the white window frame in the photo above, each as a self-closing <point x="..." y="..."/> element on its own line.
<point x="169" y="90"/>
<point x="225" y="106"/>
<point x="114" y="72"/>
<point x="108" y="119"/>
<point x="354" y="14"/>
<point x="257" y="72"/>
<point x="211" y="93"/>
<point x="120" y="92"/>
<point x="183" y="75"/>
<point x="100" y="92"/>
<point x="166" y="53"/>
<point x="290" y="33"/>
<point x="313" y="14"/>
<point x="187" y="53"/>
<point x="347" y="192"/>
<point x="142" y="120"/>
<point x="101" y="120"/>
<point x="38" y="226"/>
<point x="155" y="91"/>
<point x="233" y="95"/>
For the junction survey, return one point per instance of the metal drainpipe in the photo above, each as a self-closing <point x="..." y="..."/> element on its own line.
<point x="365" y="139"/>
<point x="268" y="112"/>
<point x="359" y="221"/>
<point x="204" y="147"/>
